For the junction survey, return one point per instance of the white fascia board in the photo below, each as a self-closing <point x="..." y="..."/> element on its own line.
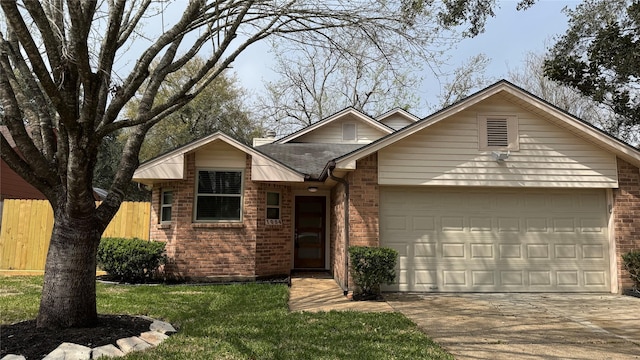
<point x="349" y="111"/>
<point x="156" y="169"/>
<point x="399" y="111"/>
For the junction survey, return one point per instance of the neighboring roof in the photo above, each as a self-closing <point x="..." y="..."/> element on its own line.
<point x="337" y="116"/>
<point x="175" y="160"/>
<point x="307" y="158"/>
<point x="517" y="95"/>
<point x="398" y="111"/>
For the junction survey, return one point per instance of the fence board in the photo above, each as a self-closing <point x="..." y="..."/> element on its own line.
<point x="27" y="224"/>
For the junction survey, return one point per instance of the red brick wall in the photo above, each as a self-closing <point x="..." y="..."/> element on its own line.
<point x="626" y="217"/>
<point x="336" y="234"/>
<point x="274" y="243"/>
<point x="364" y="199"/>
<point x="364" y="203"/>
<point x="207" y="251"/>
<point x="13" y="186"/>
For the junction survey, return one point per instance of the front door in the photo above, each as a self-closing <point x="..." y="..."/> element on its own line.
<point x="309" y="236"/>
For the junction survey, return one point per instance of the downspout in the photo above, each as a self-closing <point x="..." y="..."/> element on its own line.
<point x="346" y="225"/>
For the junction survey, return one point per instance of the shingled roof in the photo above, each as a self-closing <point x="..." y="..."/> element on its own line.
<point x="307" y="158"/>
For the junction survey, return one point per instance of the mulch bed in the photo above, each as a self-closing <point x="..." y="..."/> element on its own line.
<point x="25" y="339"/>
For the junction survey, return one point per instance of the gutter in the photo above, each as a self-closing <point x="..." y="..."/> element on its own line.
<point x="332" y="165"/>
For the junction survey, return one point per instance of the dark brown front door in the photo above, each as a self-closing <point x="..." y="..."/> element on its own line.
<point x="309" y="236"/>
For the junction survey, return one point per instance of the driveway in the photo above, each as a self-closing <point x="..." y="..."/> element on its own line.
<point x="527" y="326"/>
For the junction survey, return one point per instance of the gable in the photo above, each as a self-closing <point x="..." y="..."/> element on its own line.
<point x="327" y="131"/>
<point x="215" y="151"/>
<point x="526" y="102"/>
<point x="335" y="132"/>
<point x="220" y="155"/>
<point x="397" y="119"/>
<point x="451" y="153"/>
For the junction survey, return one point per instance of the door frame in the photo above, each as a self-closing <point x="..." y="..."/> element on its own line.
<point x="327" y="245"/>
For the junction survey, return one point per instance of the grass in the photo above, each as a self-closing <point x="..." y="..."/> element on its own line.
<point x="248" y="321"/>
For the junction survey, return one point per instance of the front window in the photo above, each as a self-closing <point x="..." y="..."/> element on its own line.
<point x="219" y="195"/>
<point x="165" y="206"/>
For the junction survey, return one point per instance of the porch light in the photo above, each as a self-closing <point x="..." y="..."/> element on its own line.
<point x="312" y="189"/>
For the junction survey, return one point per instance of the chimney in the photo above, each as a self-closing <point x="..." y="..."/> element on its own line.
<point x="270" y="137"/>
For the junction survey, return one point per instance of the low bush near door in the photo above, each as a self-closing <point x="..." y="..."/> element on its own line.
<point x="130" y="260"/>
<point x="371" y="267"/>
<point x="632" y="264"/>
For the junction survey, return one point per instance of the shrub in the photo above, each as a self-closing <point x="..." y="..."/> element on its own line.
<point x="130" y="260"/>
<point x="371" y="267"/>
<point x="632" y="264"/>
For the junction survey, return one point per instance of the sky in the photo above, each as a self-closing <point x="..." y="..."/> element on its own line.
<point x="508" y="37"/>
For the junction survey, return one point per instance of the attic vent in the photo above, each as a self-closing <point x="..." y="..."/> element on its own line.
<point x="497" y="133"/>
<point x="348" y="132"/>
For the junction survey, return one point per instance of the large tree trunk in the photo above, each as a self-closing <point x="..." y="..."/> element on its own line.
<point x="69" y="291"/>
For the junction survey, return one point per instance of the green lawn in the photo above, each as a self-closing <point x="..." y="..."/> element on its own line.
<point x="249" y="321"/>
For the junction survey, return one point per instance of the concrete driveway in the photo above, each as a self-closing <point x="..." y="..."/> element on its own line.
<point x="527" y="326"/>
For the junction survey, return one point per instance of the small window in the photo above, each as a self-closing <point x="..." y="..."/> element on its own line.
<point x="498" y="132"/>
<point x="273" y="206"/>
<point x="349" y="132"/>
<point x="166" y="203"/>
<point x="219" y="195"/>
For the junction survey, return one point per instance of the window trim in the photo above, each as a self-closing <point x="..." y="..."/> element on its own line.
<point x="163" y="205"/>
<point x="513" y="138"/>
<point x="196" y="195"/>
<point x="267" y="207"/>
<point x="355" y="131"/>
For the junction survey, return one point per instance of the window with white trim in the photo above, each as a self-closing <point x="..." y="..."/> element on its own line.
<point x="166" y="203"/>
<point x="273" y="206"/>
<point x="498" y="132"/>
<point x="349" y="132"/>
<point x="219" y="195"/>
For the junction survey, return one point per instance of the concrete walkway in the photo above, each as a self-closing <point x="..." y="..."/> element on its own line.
<point x="319" y="292"/>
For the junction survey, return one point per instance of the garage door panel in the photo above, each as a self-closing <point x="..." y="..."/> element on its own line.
<point x="492" y="240"/>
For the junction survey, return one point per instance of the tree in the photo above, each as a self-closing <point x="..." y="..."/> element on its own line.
<point x="465" y="78"/>
<point x="598" y="56"/>
<point x="60" y="78"/>
<point x="218" y="107"/>
<point x="315" y="82"/>
<point x="531" y="77"/>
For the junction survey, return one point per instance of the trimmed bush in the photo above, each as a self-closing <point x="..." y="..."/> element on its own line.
<point x="632" y="264"/>
<point x="130" y="260"/>
<point x="371" y="267"/>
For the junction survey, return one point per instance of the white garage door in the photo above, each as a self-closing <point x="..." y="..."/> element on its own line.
<point x="495" y="240"/>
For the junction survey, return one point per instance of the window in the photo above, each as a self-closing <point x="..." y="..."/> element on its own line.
<point x="349" y="131"/>
<point x="219" y="195"/>
<point x="166" y="202"/>
<point x="498" y="132"/>
<point x="273" y="207"/>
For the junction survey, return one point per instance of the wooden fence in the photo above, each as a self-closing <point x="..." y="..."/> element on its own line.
<point x="26" y="231"/>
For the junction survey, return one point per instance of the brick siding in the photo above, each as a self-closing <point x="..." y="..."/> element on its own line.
<point x="626" y="217"/>
<point x="222" y="251"/>
<point x="336" y="234"/>
<point x="364" y="199"/>
<point x="274" y="243"/>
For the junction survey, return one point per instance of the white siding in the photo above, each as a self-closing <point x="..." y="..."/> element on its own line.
<point x="396" y="122"/>
<point x="447" y="154"/>
<point x="171" y="168"/>
<point x="332" y="133"/>
<point x="220" y="155"/>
